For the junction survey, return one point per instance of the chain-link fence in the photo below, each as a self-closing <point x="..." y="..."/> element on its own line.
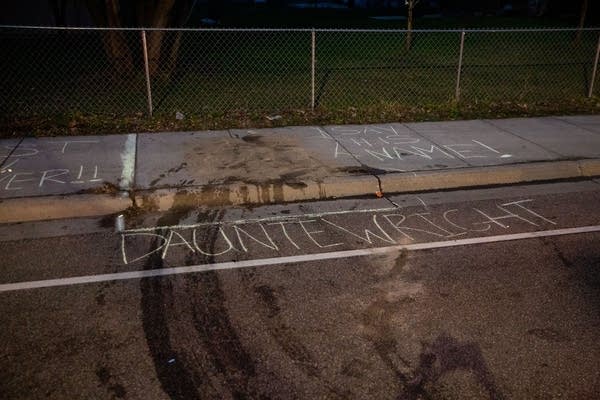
<point x="56" y="71"/>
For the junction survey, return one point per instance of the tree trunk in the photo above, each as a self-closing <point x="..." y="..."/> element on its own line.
<point x="542" y="8"/>
<point x="142" y="13"/>
<point x="171" y="62"/>
<point x="584" y="7"/>
<point x="409" y="25"/>
<point x="114" y="41"/>
<point x="59" y="11"/>
<point x="160" y="19"/>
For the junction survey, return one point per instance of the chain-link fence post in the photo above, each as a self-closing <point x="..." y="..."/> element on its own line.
<point x="313" y="68"/>
<point x="147" y="73"/>
<point x="595" y="69"/>
<point x="460" y="62"/>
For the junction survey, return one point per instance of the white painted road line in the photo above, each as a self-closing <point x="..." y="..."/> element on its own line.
<point x="128" y="161"/>
<point x="10" y="287"/>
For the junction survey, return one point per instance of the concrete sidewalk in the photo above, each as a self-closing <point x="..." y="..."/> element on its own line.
<point x="50" y="178"/>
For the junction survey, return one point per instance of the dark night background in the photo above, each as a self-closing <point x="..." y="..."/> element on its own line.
<point x="308" y="13"/>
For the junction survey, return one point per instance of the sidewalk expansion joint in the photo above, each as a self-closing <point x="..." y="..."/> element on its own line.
<point x="363" y="165"/>
<point x="11" y="152"/>
<point x="573" y="124"/>
<point x="509" y="132"/>
<point x="380" y="191"/>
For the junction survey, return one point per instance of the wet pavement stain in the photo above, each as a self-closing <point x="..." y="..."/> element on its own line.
<point x="437" y="359"/>
<point x="173" y="170"/>
<point x="378" y="326"/>
<point x="267" y="295"/>
<point x="177" y="381"/>
<point x="548" y="334"/>
<point x="380" y="331"/>
<point x="229" y="358"/>
<point x="108" y="380"/>
<point x="224" y="367"/>
<point x="212" y="360"/>
<point x="175" y="378"/>
<point x="269" y="309"/>
<point x="442" y="356"/>
<point x="354" y="368"/>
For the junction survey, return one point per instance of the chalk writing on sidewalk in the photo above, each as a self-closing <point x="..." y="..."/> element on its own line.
<point x="16" y="180"/>
<point x="392" y="144"/>
<point x="19" y="173"/>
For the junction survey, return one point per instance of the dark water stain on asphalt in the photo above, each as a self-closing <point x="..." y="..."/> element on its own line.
<point x="444" y="355"/>
<point x="380" y="331"/>
<point x="269" y="309"/>
<point x="215" y="329"/>
<point x="252" y="139"/>
<point x="176" y="380"/>
<point x="378" y="327"/>
<point x="566" y="262"/>
<point x="228" y="356"/>
<point x="106" y="379"/>
<point x="100" y="298"/>
<point x="107" y="221"/>
<point x="399" y="264"/>
<point x="354" y="368"/>
<point x="583" y="269"/>
<point x="267" y="295"/>
<point x="101" y="292"/>
<point x="548" y="334"/>
<point x="227" y="364"/>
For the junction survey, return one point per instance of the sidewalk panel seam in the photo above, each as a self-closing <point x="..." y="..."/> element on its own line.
<point x="558" y="155"/>
<point x="574" y="124"/>
<point x="11" y="152"/>
<point x="322" y="128"/>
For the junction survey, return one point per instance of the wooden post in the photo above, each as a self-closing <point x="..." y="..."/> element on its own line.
<point x="460" y="61"/>
<point x="313" y="70"/>
<point x="147" y="72"/>
<point x="595" y="69"/>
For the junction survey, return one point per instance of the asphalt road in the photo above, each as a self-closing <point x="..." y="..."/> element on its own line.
<point x="487" y="294"/>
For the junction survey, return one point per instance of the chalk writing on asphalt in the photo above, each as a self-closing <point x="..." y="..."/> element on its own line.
<point x="316" y="232"/>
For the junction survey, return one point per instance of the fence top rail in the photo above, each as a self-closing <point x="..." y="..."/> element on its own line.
<point x="342" y="30"/>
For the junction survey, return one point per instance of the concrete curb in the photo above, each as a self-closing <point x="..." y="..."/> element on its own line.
<point x="590" y="168"/>
<point x="268" y="193"/>
<point x="58" y="207"/>
<point x="488" y="176"/>
<point x="235" y="193"/>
